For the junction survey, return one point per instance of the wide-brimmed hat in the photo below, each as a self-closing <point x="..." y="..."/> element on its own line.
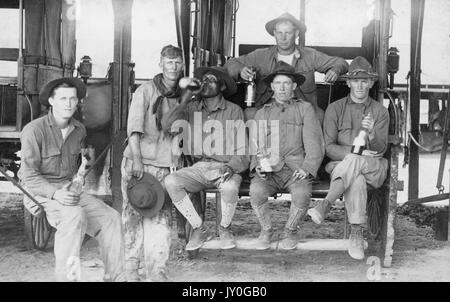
<point x="270" y="26"/>
<point x="146" y="195"/>
<point x="47" y="89"/>
<point x="360" y="68"/>
<point x="220" y="73"/>
<point x="283" y="68"/>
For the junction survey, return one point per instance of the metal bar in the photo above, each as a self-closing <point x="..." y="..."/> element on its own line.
<point x="20" y="76"/>
<point x="444" y="146"/>
<point x="417" y="10"/>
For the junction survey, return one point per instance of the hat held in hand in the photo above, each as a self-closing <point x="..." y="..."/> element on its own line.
<point x="146" y="195"/>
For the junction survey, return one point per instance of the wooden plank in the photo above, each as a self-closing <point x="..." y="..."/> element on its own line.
<point x="9" y="54"/>
<point x="347" y="53"/>
<point x="246" y="243"/>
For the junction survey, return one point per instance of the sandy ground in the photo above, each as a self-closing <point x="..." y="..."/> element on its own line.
<point x="417" y="257"/>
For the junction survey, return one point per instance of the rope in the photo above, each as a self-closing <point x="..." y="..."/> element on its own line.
<point x="419" y="145"/>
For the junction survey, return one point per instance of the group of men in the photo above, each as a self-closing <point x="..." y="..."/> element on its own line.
<point x="165" y="120"/>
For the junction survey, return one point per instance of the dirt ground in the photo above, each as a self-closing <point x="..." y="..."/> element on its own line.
<point x="417" y="256"/>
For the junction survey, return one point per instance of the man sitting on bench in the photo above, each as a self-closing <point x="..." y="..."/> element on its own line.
<point x="346" y="119"/>
<point x="300" y="153"/>
<point x="213" y="168"/>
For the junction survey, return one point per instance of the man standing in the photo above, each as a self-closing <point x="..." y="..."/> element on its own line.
<point x="351" y="173"/>
<point x="51" y="146"/>
<point x="214" y="167"/>
<point x="285" y="29"/>
<point x="295" y="163"/>
<point x="150" y="151"/>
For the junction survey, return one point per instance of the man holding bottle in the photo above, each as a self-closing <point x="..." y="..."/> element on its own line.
<point x="348" y="121"/>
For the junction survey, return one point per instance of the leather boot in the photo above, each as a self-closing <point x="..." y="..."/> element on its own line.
<point x="199" y="236"/>
<point x="320" y="211"/>
<point x="356" y="242"/>
<point x="226" y="238"/>
<point x="290" y="240"/>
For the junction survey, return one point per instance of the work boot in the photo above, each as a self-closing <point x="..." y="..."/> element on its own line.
<point x="160" y="276"/>
<point x="320" y="211"/>
<point x="226" y="238"/>
<point x="356" y="242"/>
<point x="289" y="241"/>
<point x="198" y="237"/>
<point x="263" y="241"/>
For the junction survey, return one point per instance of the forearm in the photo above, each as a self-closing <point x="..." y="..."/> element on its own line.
<point x="337" y="152"/>
<point x="134" y="142"/>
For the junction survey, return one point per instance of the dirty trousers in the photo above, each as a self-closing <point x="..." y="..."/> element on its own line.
<point x="147" y="237"/>
<point x="204" y="175"/>
<point x="93" y="217"/>
<point x="356" y="173"/>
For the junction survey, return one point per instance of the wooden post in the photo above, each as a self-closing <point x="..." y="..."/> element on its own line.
<point x="301" y="41"/>
<point x="417" y="12"/>
<point x="120" y="86"/>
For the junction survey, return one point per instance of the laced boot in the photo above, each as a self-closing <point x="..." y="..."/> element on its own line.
<point x="356" y="242"/>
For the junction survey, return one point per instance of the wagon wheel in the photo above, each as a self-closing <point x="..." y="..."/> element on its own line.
<point x="38" y="231"/>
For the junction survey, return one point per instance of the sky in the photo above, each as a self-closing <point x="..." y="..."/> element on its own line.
<point x="339" y="24"/>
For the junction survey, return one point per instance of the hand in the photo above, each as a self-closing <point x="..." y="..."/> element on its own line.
<point x="246" y="73"/>
<point x="331" y="76"/>
<point x="137" y="168"/>
<point x="299" y="174"/>
<point x="368" y="122"/>
<point x="66" y="197"/>
<point x="227" y="172"/>
<point x="371" y="153"/>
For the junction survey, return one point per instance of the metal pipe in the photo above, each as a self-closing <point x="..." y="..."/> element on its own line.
<point x="20" y="28"/>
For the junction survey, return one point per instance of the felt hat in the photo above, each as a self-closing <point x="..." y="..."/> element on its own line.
<point x="360" y="68"/>
<point x="47" y="89"/>
<point x="283" y="68"/>
<point x="146" y="195"/>
<point x="270" y="26"/>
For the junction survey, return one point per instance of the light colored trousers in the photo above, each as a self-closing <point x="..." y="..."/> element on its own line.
<point x="93" y="217"/>
<point x="356" y="173"/>
<point x="149" y="237"/>
<point x="205" y="175"/>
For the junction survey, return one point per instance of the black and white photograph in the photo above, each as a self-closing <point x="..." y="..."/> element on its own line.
<point x="224" y="145"/>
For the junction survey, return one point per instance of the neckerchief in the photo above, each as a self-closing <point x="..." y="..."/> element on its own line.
<point x="165" y="93"/>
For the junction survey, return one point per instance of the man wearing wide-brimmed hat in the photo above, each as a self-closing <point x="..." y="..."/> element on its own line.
<point x="285" y="29"/>
<point x="51" y="146"/>
<point x="218" y="157"/>
<point x="294" y="161"/>
<point x="352" y="173"/>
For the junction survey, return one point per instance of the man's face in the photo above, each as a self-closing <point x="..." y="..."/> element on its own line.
<point x="172" y="69"/>
<point x="285" y="34"/>
<point x="283" y="88"/>
<point x="212" y="86"/>
<point x="359" y="88"/>
<point x="64" y="102"/>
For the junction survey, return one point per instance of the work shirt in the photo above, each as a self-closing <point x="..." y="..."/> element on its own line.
<point x="342" y="124"/>
<point x="306" y="61"/>
<point x="46" y="158"/>
<point x="300" y="139"/>
<point x="227" y="141"/>
<point x="156" y="148"/>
